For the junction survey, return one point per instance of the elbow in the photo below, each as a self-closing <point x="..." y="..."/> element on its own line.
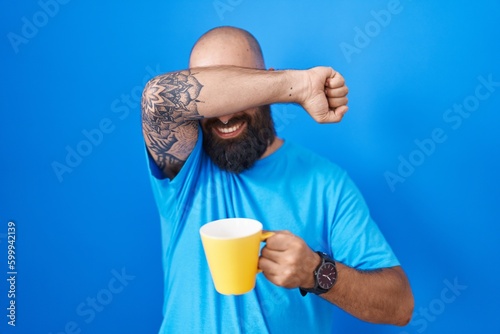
<point x="405" y="301"/>
<point x="150" y="98"/>
<point x="148" y="93"/>
<point x="400" y="315"/>
<point x="405" y="310"/>
<point x="404" y="319"/>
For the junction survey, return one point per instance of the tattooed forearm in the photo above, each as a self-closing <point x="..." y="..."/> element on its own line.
<point x="169" y="117"/>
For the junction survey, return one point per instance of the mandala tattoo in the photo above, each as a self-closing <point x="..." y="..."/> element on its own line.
<point x="170" y="118"/>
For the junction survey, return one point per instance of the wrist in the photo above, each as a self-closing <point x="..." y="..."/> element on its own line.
<point x="311" y="265"/>
<point x="295" y="86"/>
<point x="325" y="276"/>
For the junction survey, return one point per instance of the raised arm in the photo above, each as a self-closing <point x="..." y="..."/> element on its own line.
<point x="173" y="103"/>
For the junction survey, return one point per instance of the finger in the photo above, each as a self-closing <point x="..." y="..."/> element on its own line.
<point x="337" y="92"/>
<point x="271" y="255"/>
<point x="340" y="111"/>
<point x="279" y="241"/>
<point x="337" y="102"/>
<point x="333" y="115"/>
<point x="267" y="266"/>
<point x="336" y="81"/>
<point x="272" y="271"/>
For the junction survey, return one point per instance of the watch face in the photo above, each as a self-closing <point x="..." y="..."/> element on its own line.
<point x="327" y="275"/>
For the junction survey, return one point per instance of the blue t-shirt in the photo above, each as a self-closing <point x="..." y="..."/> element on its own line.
<point x="292" y="189"/>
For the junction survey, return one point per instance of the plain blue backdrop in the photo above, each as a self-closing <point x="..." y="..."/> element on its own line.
<point x="421" y="140"/>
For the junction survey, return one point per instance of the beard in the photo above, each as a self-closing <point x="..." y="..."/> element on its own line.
<point x="238" y="154"/>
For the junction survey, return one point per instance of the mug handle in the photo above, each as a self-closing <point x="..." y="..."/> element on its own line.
<point x="263" y="237"/>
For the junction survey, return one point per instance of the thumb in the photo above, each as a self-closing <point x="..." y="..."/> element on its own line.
<point x="332" y="115"/>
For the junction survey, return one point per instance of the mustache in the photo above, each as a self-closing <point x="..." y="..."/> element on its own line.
<point x="215" y="122"/>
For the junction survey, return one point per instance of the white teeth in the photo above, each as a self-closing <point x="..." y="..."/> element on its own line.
<point x="231" y="129"/>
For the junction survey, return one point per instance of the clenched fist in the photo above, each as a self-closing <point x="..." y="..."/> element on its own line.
<point x="325" y="96"/>
<point x="287" y="261"/>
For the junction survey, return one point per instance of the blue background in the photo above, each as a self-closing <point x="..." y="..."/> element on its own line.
<point x="82" y="66"/>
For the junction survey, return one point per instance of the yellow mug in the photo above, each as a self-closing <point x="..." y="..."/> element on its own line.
<point x="232" y="249"/>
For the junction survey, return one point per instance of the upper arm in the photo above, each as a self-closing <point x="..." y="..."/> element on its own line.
<point x="170" y="119"/>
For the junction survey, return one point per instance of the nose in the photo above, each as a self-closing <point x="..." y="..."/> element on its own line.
<point x="225" y="119"/>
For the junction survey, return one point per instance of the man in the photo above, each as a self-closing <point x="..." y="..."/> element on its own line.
<point x="214" y="154"/>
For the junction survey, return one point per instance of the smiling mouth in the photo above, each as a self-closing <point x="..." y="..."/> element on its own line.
<point x="230" y="132"/>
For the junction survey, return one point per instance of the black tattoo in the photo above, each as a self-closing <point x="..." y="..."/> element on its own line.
<point x="170" y="118"/>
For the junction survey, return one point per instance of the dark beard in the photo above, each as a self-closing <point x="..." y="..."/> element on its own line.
<point x="238" y="154"/>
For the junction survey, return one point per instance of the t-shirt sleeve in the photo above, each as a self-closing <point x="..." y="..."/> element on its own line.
<point x="356" y="240"/>
<point x="180" y="189"/>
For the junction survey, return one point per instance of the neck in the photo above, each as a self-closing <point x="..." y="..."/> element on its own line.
<point x="275" y="145"/>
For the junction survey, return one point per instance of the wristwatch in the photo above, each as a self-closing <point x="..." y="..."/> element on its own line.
<point x="325" y="276"/>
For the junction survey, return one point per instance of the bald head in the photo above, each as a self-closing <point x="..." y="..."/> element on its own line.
<point x="227" y="46"/>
